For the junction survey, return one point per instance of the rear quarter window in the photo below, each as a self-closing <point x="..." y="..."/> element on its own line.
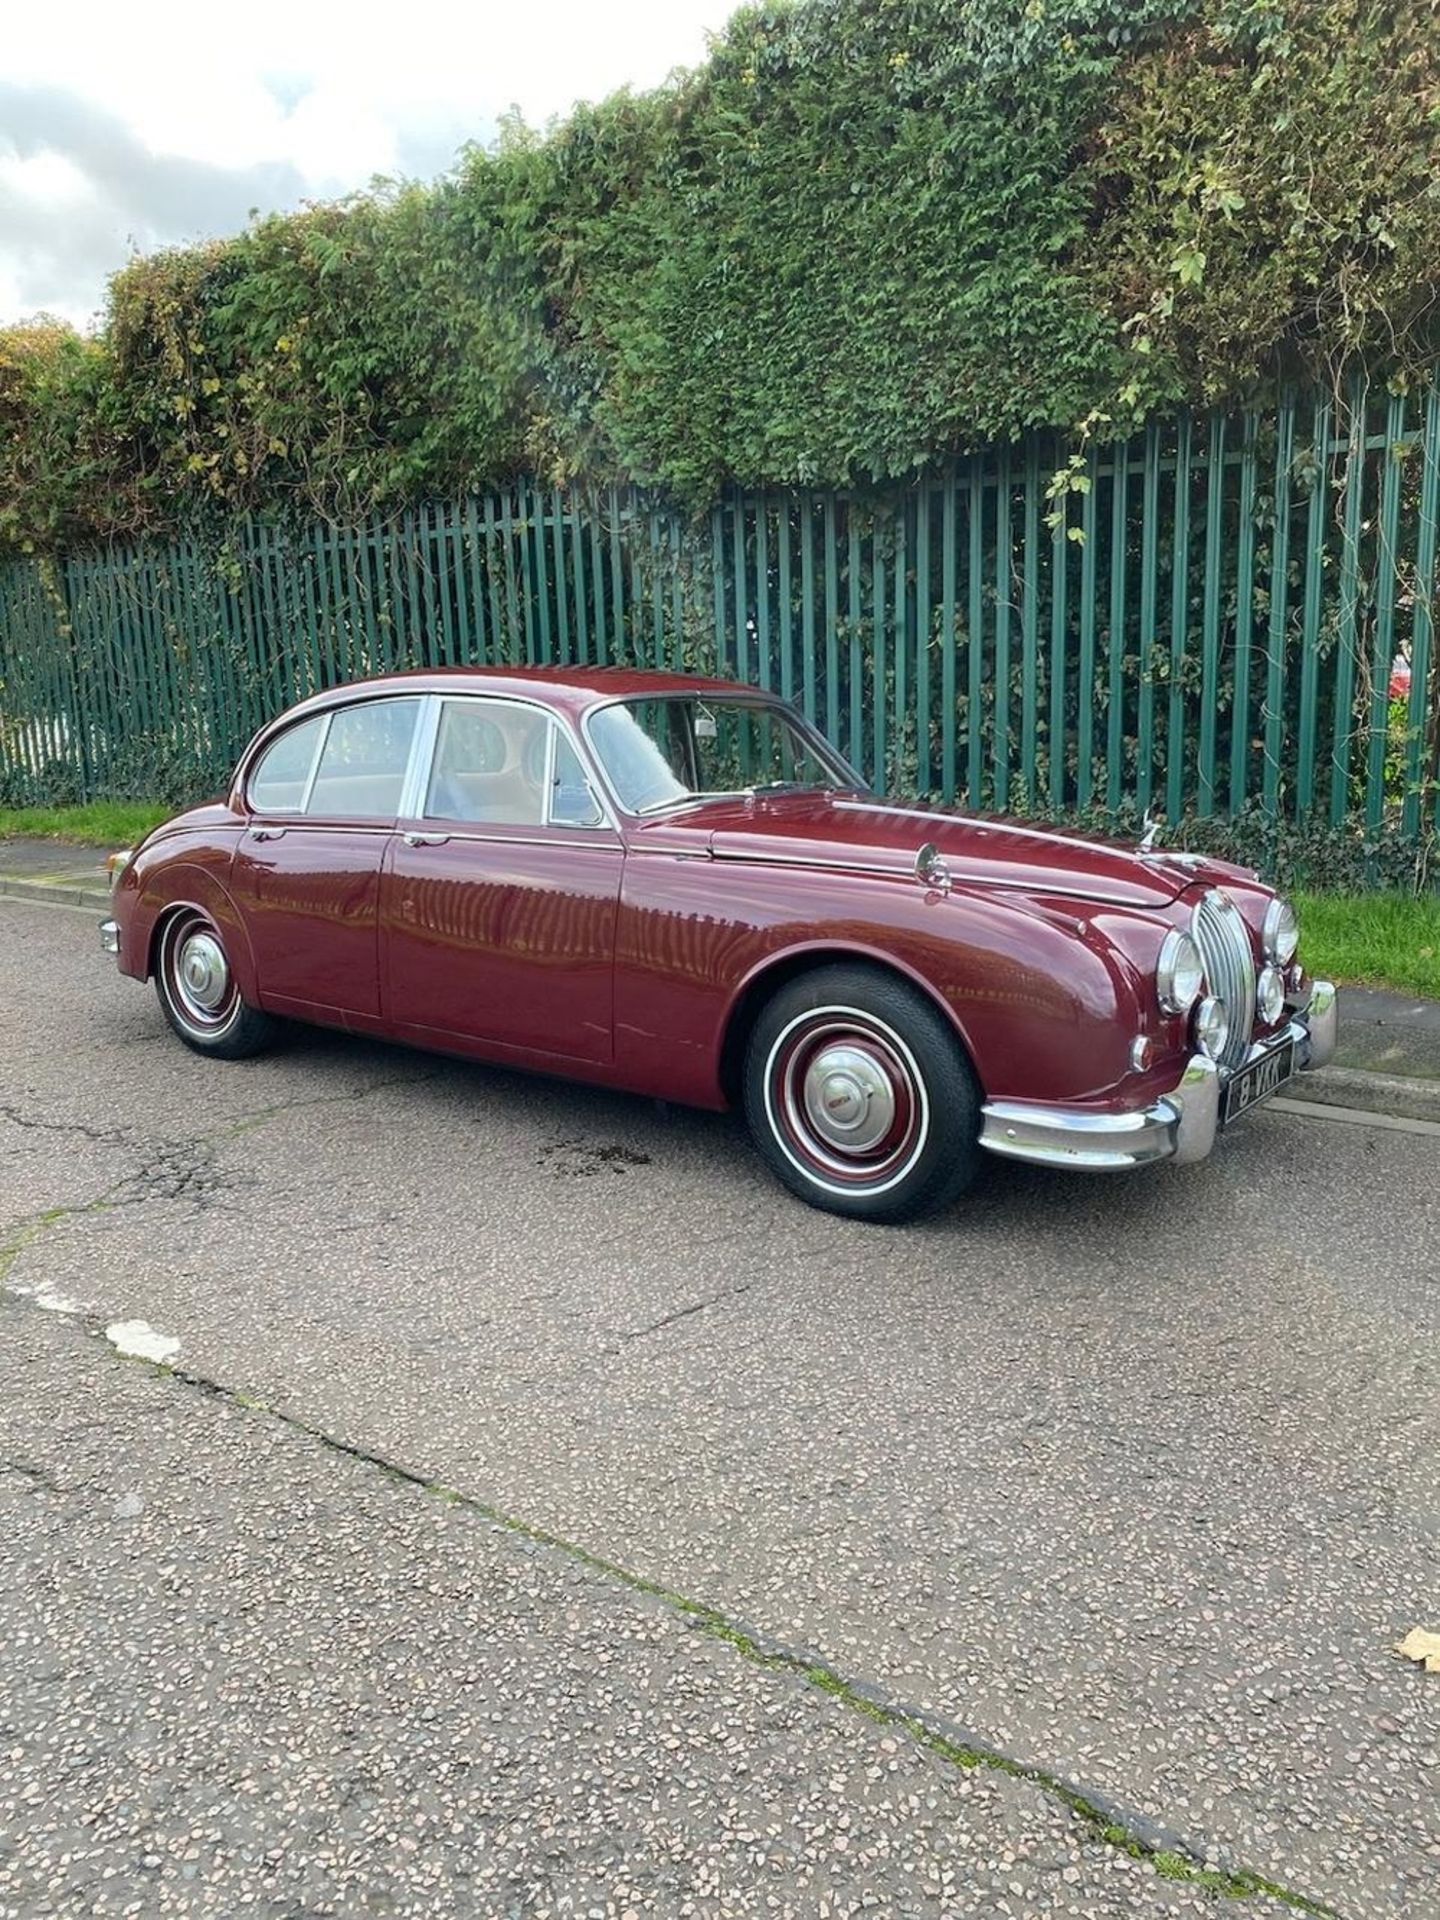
<point x="283" y="772"/>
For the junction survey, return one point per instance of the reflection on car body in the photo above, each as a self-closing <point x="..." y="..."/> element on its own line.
<point x="677" y="886"/>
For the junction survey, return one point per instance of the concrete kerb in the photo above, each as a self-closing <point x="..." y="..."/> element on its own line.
<point x="63" y="891"/>
<point x="1400" y="1097"/>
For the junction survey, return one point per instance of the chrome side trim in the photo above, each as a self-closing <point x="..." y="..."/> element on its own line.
<point x="525" y="837"/>
<point x="874" y="804"/>
<point x="1086" y="892"/>
<point x="318" y="823"/>
<point x="903" y="871"/>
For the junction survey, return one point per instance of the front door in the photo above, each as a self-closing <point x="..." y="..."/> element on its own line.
<point x="498" y="899"/>
<point x="322" y="804"/>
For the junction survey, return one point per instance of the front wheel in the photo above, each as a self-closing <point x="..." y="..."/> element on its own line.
<point x="860" y="1097"/>
<point x="198" y="995"/>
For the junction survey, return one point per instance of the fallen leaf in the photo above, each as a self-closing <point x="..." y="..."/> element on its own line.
<point x="1422" y="1646"/>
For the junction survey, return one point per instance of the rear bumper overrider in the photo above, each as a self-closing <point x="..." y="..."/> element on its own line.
<point x="1181" y="1126"/>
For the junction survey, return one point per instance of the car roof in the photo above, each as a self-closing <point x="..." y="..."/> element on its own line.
<point x="575" y="688"/>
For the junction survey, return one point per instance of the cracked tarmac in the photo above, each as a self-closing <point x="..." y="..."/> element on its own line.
<point x="1132" y="1483"/>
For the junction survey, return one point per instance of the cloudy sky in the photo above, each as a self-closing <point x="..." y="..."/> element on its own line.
<point x="128" y="127"/>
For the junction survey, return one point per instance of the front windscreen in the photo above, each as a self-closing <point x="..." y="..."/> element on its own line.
<point x="663" y="753"/>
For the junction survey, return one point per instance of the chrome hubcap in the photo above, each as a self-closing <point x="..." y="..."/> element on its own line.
<point x="849" y="1099"/>
<point x="846" y="1100"/>
<point x="202" y="974"/>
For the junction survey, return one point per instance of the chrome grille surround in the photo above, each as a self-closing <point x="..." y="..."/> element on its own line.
<point x="1220" y="932"/>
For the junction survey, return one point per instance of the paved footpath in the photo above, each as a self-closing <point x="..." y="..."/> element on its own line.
<point x="542" y="1514"/>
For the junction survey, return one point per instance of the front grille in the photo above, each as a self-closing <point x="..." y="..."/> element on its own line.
<point x="1224" y="942"/>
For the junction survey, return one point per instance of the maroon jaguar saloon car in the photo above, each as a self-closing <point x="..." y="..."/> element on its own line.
<point x="676" y="886"/>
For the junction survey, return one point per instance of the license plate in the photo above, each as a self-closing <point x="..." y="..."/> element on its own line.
<point x="1259" y="1080"/>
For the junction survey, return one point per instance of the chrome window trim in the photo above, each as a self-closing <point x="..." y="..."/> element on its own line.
<point x="425" y="767"/>
<point x="252" y="805"/>
<point x="547" y="802"/>
<point x="265" y="737"/>
<point x="383" y="821"/>
<point x="604" y="824"/>
<point x="314" y="773"/>
<point x="742" y="696"/>
<point x="417" y="774"/>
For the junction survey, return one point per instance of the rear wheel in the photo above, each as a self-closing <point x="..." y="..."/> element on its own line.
<point x="860" y="1097"/>
<point x="198" y="994"/>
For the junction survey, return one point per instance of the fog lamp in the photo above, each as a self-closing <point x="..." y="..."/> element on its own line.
<point x="1212" y="1026"/>
<point x="1270" y="995"/>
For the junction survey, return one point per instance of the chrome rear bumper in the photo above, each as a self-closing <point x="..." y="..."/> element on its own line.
<point x="1181" y="1126"/>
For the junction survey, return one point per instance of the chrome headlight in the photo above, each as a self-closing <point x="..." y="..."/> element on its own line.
<point x="115" y="865"/>
<point x="1270" y="995"/>
<point x="1282" y="932"/>
<point x="1212" y="1027"/>
<point x="1179" y="973"/>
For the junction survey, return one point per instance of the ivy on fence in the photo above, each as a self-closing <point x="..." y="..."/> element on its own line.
<point x="1230" y="617"/>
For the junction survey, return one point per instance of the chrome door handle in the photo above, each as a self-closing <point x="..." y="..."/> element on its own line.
<point x="424" y="839"/>
<point x="267" y="833"/>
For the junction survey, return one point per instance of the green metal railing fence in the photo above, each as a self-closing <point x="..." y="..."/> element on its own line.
<point x="1208" y="625"/>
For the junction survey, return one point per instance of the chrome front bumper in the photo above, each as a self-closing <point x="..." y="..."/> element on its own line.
<point x="1181" y="1126"/>
<point x="109" y="937"/>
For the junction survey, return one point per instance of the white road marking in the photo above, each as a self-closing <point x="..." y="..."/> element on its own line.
<point x="140" y="1341"/>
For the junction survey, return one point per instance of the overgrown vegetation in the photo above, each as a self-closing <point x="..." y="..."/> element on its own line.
<point x="865" y="235"/>
<point x="1307" y="856"/>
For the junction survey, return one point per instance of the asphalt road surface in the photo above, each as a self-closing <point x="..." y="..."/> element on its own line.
<point x="541" y="1513"/>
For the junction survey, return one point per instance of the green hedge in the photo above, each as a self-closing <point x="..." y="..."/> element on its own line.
<point x="864" y="235"/>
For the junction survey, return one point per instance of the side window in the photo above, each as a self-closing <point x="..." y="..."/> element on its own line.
<point x="362" y="765"/>
<point x="279" y="781"/>
<point x="572" y="799"/>
<point x="489" y="765"/>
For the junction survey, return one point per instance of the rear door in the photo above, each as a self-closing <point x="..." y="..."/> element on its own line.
<point x="323" y="802"/>
<point x="499" y="894"/>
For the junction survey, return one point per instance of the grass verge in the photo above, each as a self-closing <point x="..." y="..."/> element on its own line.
<point x="1372" y="940"/>
<point x="103" y="823"/>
